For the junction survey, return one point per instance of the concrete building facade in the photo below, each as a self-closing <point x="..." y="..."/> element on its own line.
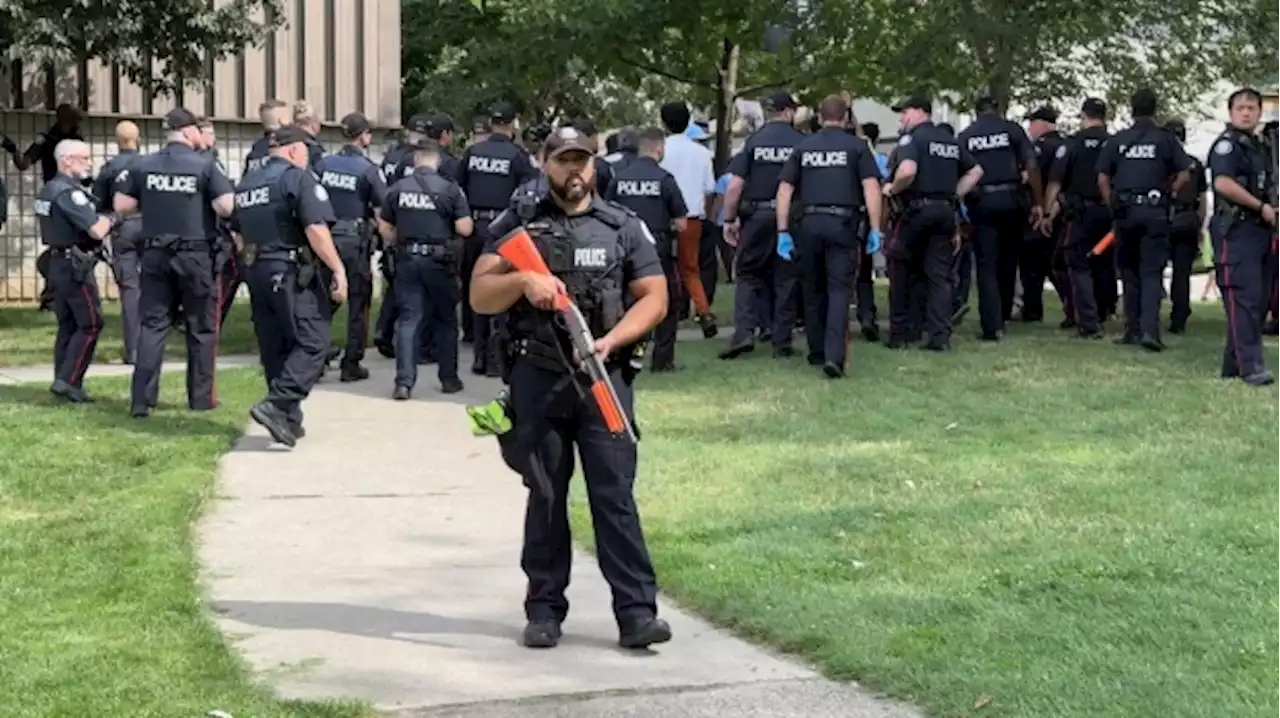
<point x="338" y="55"/>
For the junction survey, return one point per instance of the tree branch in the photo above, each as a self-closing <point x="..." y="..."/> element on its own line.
<point x="663" y="73"/>
<point x="762" y="86"/>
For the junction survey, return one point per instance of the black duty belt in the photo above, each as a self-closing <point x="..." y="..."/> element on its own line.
<point x="349" y="227"/>
<point x="1153" y="198"/>
<point x="489" y="214"/>
<point x="177" y="244"/>
<point x="284" y="255"/>
<point x="1083" y="201"/>
<point x="759" y="204"/>
<point x="929" y="201"/>
<point x="829" y="210"/>
<point x="425" y="249"/>
<point x="1002" y="187"/>
<point x="66" y="252"/>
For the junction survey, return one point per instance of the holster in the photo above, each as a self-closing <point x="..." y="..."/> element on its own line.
<point x="82" y="264"/>
<point x="307" y="271"/>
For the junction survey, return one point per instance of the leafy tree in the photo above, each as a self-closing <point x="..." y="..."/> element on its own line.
<point x="180" y="35"/>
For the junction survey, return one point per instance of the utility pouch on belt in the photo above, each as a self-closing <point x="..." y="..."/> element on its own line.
<point x="307" y="273"/>
<point x="82" y="264"/>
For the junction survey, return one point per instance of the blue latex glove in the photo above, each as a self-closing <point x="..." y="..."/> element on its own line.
<point x="786" y="245"/>
<point x="873" y="241"/>
<point x="964" y="212"/>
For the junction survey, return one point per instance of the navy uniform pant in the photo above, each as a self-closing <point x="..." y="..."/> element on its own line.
<point x="1036" y="263"/>
<point x="230" y="277"/>
<point x="385" y="332"/>
<point x="999" y="227"/>
<point x="430" y="283"/>
<point x="765" y="286"/>
<point x="1084" y="230"/>
<point x="1184" y="247"/>
<point x="125" y="266"/>
<point x="354" y="251"/>
<point x="708" y="263"/>
<point x="664" y="335"/>
<point x="828" y="261"/>
<point x="480" y="325"/>
<point x="548" y="425"/>
<point x="78" y="308"/>
<point x="920" y="275"/>
<point x="1142" y="253"/>
<point x="866" y="289"/>
<point x="182" y="278"/>
<point x="293" y="326"/>
<point x="1240" y="248"/>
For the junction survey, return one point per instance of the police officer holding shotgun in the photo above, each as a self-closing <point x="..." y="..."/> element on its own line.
<point x="603" y="258"/>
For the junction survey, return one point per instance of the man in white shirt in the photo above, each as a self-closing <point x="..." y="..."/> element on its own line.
<point x="690" y="163"/>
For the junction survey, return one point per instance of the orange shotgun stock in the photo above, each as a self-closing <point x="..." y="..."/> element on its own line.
<point x="1103" y="244"/>
<point x="518" y="249"/>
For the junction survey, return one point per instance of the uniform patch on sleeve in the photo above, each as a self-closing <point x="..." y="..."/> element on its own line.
<point x="79" y="199"/>
<point x="1223" y="147"/>
<point x="1062" y="152"/>
<point x="122" y="177"/>
<point x="321" y="194"/>
<point x="904" y="140"/>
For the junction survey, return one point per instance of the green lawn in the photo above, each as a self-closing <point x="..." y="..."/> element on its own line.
<point x="26" y="334"/>
<point x="99" y="607"/>
<point x="1038" y="528"/>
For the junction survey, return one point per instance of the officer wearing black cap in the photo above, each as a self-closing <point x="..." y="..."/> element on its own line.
<point x="652" y="193"/>
<point x="180" y="194"/>
<point x="419" y="219"/>
<point x="605" y="258"/>
<point x="1242" y="230"/>
<point x="438" y="128"/>
<point x="750" y="223"/>
<point x="832" y="182"/>
<point x="1074" y="180"/>
<point x="930" y="169"/>
<point x="604" y="170"/>
<point x="1139" y="171"/>
<point x="491" y="171"/>
<point x="355" y="187"/>
<point x="73" y="230"/>
<point x="1186" y="220"/>
<point x="1039" y="258"/>
<point x="480" y="129"/>
<point x="534" y="136"/>
<point x="283" y="215"/>
<point x="622" y="147"/>
<point x="998" y="209"/>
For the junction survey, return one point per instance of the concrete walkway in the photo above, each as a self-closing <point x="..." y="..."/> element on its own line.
<point x="379" y="560"/>
<point x="44" y="372"/>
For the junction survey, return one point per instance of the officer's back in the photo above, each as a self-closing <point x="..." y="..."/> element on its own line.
<point x="828" y="168"/>
<point x="354" y="183"/>
<point x="765" y="152"/>
<point x="1141" y="159"/>
<point x="648" y="190"/>
<point x="491" y="170"/>
<point x="1001" y="147"/>
<point x="1079" y="163"/>
<point x="423" y="205"/>
<point x="174" y="187"/>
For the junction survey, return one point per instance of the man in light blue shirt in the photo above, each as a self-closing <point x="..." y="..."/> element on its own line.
<point x="725" y="252"/>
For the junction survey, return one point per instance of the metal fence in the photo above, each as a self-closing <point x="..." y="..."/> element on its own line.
<point x="20" y="237"/>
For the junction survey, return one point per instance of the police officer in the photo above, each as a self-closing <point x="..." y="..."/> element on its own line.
<point x="604" y="169"/>
<point x="832" y="181"/>
<point x="1074" y="179"/>
<point x="273" y="114"/>
<point x="394" y="163"/>
<point x="480" y="129"/>
<point x="67" y="127"/>
<point x="534" y="136"/>
<point x="438" y="128"/>
<point x="124" y="243"/>
<point x="1186" y="220"/>
<point x="179" y="193"/>
<point x="307" y="118"/>
<point x="930" y="170"/>
<point x="1038" y="259"/>
<point x="491" y="171"/>
<point x="72" y="230"/>
<point x="605" y="258"/>
<point x="1243" y="224"/>
<point x="998" y="210"/>
<point x="750" y="223"/>
<point x="230" y="275"/>
<point x="419" y="218"/>
<point x="652" y="193"/>
<point x="1138" y="171"/>
<point x="283" y="215"/>
<point x="622" y="147"/>
<point x="355" y="187"/>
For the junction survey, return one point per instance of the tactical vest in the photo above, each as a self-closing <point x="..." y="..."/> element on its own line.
<point x="1253" y="173"/>
<point x="256" y="214"/>
<point x="55" y="229"/>
<point x="428" y="226"/>
<point x="1084" y="169"/>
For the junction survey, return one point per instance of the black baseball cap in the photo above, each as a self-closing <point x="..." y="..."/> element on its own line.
<point x="425" y="144"/>
<point x="985" y="103"/>
<point x="1044" y="113"/>
<point x="1095" y="108"/>
<point x="288" y="135"/>
<point x="502" y="113"/>
<point x="566" y="139"/>
<point x="779" y="101"/>
<point x="419" y="124"/>
<point x="355" y="124"/>
<point x="179" y="118"/>
<point x="915" y="102"/>
<point x="437" y="125"/>
<point x="585" y="126"/>
<point x="481" y="126"/>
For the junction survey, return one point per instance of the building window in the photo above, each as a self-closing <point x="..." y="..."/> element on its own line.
<point x="330" y="64"/>
<point x="300" y="46"/>
<point x="360" y="56"/>
<point x="271" y="57"/>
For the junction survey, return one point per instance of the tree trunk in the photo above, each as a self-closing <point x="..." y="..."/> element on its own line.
<point x="726" y="89"/>
<point x="1000" y="79"/>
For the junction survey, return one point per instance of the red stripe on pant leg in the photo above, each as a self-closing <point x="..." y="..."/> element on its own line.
<point x="1071" y="281"/>
<point x="1229" y="298"/>
<point x="217" y="337"/>
<point x="77" y="374"/>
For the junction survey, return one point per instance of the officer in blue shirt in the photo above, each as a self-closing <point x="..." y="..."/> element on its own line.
<point x="831" y="182"/>
<point x="1138" y="172"/>
<point x="394" y="162"/>
<point x="355" y="188"/>
<point x="124" y="242"/>
<point x="72" y="229"/>
<point x="180" y="194"/>
<point x="1243" y="224"/>
<point x="283" y="215"/>
<point x="272" y="115"/>
<point x="419" y="219"/>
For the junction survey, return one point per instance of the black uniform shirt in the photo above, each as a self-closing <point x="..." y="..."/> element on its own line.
<point x="175" y="189"/>
<point x="43" y="146"/>
<point x="1046" y="149"/>
<point x="762" y="158"/>
<point x="827" y="169"/>
<point x="490" y="171"/>
<point x="1000" y="146"/>
<point x="651" y="192"/>
<point x="104" y="187"/>
<point x="1142" y="158"/>
<point x="315" y="152"/>
<point x="423" y="207"/>
<point x="65" y="211"/>
<point x="258" y="153"/>
<point x="277" y="202"/>
<point x="1075" y="163"/>
<point x="1242" y="157"/>
<point x="354" y="183"/>
<point x="941" y="160"/>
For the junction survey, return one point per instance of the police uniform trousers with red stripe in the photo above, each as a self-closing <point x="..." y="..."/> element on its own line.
<point x="828" y="252"/>
<point x="182" y="275"/>
<point x="78" y="308"/>
<point x="920" y="274"/>
<point x="1240" y="248"/>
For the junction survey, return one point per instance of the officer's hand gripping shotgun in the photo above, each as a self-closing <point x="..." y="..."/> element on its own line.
<point x="518" y="249"/>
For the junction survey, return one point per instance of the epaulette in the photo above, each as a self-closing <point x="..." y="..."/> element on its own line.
<point x="613" y="214"/>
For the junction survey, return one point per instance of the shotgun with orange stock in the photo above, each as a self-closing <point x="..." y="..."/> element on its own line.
<point x="518" y="249"/>
<point x="1104" y="244"/>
